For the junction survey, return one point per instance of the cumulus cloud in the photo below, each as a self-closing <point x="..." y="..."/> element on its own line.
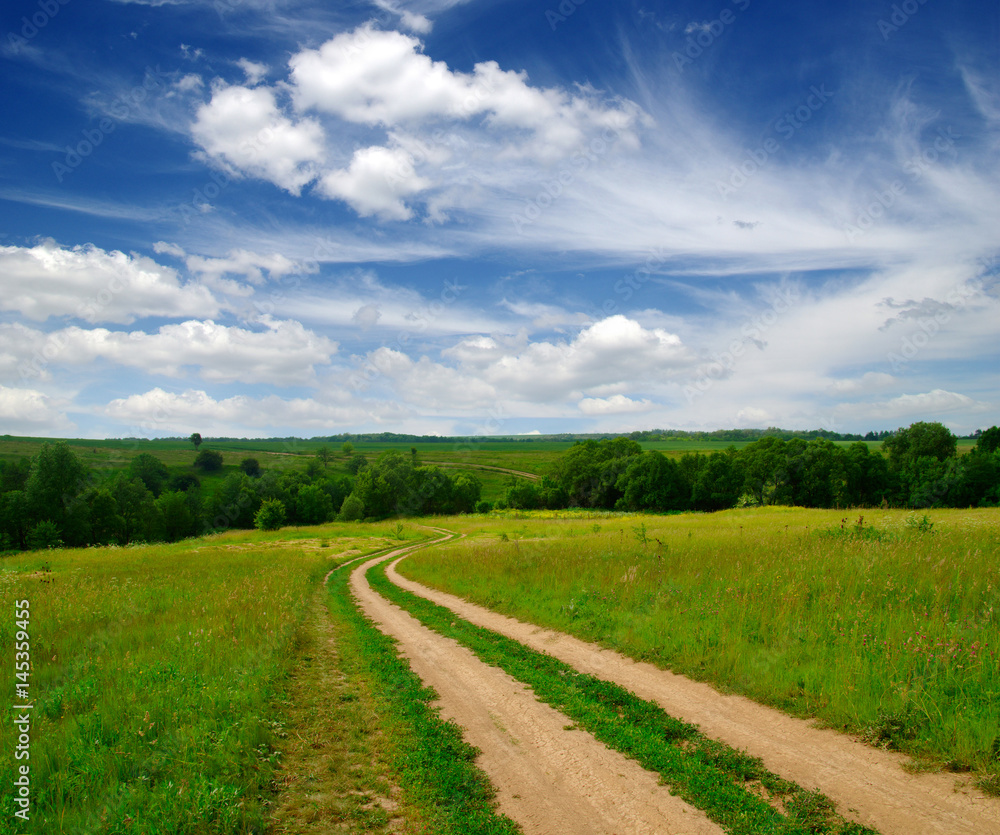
<point x="616" y="352"/>
<point x="376" y="182"/>
<point x="383" y="78"/>
<point x="178" y="411"/>
<point x="597" y="367"/>
<point x="284" y="354"/>
<point x="87" y="282"/>
<point x="26" y="411"/>
<point x="243" y="130"/>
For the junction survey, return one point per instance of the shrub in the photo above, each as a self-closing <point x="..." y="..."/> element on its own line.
<point x="209" y="461"/>
<point x="44" y="535"/>
<point x="352" y="509"/>
<point x="271" y="515"/>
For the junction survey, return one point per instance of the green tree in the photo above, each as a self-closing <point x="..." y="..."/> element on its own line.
<point x="44" y="535"/>
<point x="465" y="493"/>
<point x="270" y="516"/>
<point x="323" y="455"/>
<point x="920" y="440"/>
<point x="195" y="439"/>
<point x="14" y="474"/>
<point x="347" y="448"/>
<point x="352" y="509"/>
<point x="251" y="466"/>
<point x="56" y="479"/>
<point x="178" y="514"/>
<point x="105" y="520"/>
<point x="151" y="471"/>
<point x="989" y="441"/>
<point x="763" y="465"/>
<point x="654" y="482"/>
<point x="357" y="464"/>
<point x="14" y="517"/>
<point x="718" y="483"/>
<point x="236" y="502"/>
<point x="209" y="461"/>
<point x="385" y="484"/>
<point x="313" y="505"/>
<point x="137" y="514"/>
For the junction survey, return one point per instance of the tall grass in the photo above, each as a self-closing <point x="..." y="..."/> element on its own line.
<point x="155" y="677"/>
<point x="890" y="628"/>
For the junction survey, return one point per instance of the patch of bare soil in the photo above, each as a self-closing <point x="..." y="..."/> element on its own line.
<point x="548" y="778"/>
<point x="867" y="784"/>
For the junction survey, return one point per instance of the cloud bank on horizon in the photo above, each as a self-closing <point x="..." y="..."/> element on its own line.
<point x="444" y="217"/>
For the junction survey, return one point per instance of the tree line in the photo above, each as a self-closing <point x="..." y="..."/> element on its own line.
<point x="54" y="499"/>
<point x="917" y="467"/>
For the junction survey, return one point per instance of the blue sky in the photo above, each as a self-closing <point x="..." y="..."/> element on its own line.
<point x="268" y="217"/>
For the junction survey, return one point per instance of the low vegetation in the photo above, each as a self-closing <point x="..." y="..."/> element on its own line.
<point x="884" y="623"/>
<point x="707" y="774"/>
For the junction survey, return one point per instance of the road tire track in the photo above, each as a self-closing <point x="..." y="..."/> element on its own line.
<point x="867" y="784"/>
<point x="549" y="779"/>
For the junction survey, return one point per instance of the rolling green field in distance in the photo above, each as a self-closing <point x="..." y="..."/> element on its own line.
<point x="886" y="625"/>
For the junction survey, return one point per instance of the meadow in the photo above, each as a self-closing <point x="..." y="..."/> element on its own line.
<point x="156" y="677"/>
<point x="882" y="623"/>
<point x="217" y="685"/>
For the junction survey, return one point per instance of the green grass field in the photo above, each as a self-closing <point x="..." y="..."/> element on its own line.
<point x="154" y="676"/>
<point x="173" y="685"/>
<point x="890" y="629"/>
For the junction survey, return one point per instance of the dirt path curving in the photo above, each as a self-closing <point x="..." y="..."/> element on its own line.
<point x="549" y="779"/>
<point x="868" y="785"/>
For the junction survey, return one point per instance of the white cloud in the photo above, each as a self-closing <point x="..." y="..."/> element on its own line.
<point x="376" y="182"/>
<point x="165" y="248"/>
<point x="31" y="412"/>
<point x="617" y="404"/>
<point x="616" y="352"/>
<point x="49" y="280"/>
<point x="254" y="71"/>
<point x="284" y="354"/>
<point x="249" y="265"/>
<point x="179" y="412"/>
<point x="597" y="367"/>
<point x="913" y="407"/>
<point x="367" y="316"/>
<point x="244" y="130"/>
<point x="413" y="21"/>
<point x="189" y="83"/>
<point x="376" y="77"/>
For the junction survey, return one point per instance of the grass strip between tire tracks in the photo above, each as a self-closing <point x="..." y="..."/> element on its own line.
<point x="728" y="785"/>
<point x="435" y="765"/>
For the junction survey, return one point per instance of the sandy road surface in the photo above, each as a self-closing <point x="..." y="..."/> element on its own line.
<point x="868" y="785"/>
<point x="548" y="779"/>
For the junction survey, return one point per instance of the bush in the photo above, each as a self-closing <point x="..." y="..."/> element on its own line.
<point x="251" y="466"/>
<point x="352" y="509"/>
<point x="271" y="515"/>
<point x="44" y="535"/>
<point x="209" y="461"/>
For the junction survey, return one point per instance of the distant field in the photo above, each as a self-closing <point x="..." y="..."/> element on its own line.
<point x="531" y="456"/>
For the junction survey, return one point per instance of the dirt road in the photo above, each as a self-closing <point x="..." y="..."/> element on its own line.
<point x="868" y="785"/>
<point x="548" y="778"/>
